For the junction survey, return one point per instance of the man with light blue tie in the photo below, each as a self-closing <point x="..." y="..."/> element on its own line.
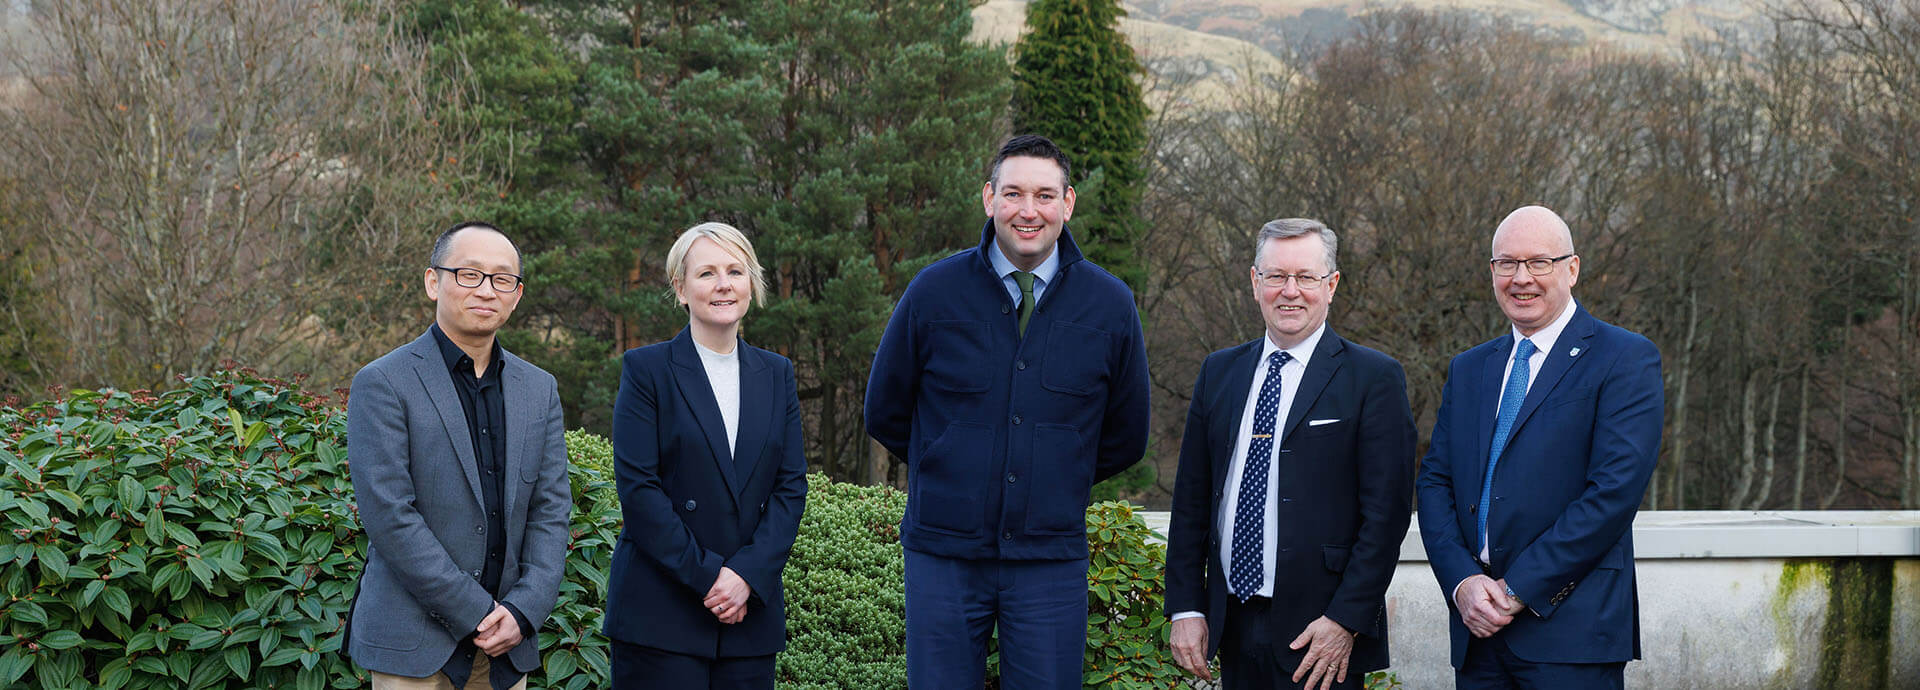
<point x="1541" y="453"/>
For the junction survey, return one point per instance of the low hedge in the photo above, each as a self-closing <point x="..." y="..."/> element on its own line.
<point x="205" y="537"/>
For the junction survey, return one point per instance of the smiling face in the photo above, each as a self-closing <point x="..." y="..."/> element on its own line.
<point x="470" y="314"/>
<point x="1029" y="206"/>
<point x="716" y="286"/>
<point x="1292" y="314"/>
<point x="1533" y="302"/>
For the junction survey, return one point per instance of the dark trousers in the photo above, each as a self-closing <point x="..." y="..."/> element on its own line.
<point x="636" y="667"/>
<point x="1250" y="651"/>
<point x="953" y="606"/>
<point x="1491" y="665"/>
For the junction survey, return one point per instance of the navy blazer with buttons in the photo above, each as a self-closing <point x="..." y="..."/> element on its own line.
<point x="692" y="506"/>
<point x="1342" y="490"/>
<point x="1575" y="468"/>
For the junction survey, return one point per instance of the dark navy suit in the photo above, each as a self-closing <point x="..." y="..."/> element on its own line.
<point x="691" y="506"/>
<point x="1342" y="504"/>
<point x="1564" y="494"/>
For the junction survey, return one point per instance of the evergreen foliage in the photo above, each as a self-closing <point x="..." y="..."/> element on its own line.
<point x="1075" y="80"/>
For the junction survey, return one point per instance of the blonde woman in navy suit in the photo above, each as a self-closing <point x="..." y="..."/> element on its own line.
<point x="712" y="480"/>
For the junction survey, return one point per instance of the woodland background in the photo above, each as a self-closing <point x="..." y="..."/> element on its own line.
<point x="184" y="183"/>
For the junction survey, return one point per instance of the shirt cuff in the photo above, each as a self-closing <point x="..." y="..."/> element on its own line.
<point x="1455" y="597"/>
<point x="1183" y="615"/>
<point x="526" y="628"/>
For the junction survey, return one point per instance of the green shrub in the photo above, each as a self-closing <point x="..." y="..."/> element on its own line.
<point x="845" y="590"/>
<point x="206" y="537"/>
<point x="200" y="538"/>
<point x="1126" y="629"/>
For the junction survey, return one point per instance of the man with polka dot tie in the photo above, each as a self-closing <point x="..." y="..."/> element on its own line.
<point x="1291" y="498"/>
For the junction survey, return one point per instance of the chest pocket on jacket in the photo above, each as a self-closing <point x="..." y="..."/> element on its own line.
<point x="955" y="351"/>
<point x="1076" y="361"/>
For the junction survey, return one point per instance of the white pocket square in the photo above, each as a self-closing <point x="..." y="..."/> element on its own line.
<point x="1318" y="422"/>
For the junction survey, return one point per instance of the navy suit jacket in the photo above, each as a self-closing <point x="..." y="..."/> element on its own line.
<point x="692" y="507"/>
<point x="1575" y="468"/>
<point x="1342" y="491"/>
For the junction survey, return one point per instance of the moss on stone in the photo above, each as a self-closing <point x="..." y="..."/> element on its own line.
<point x="1855" y="644"/>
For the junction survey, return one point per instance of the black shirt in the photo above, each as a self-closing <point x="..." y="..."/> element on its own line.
<point x="484" y="403"/>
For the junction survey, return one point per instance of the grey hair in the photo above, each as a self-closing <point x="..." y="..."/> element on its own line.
<point x="1294" y="227"/>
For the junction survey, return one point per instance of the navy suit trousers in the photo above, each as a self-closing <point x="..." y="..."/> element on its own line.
<point x="953" y="606"/>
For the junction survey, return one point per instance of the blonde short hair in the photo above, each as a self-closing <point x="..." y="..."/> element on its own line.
<point x="730" y="239"/>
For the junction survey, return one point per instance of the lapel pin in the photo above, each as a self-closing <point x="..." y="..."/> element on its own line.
<point x="1575" y="352"/>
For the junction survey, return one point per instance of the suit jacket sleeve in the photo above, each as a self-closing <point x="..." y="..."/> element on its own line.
<point x="383" y="489"/>
<point x="1626" y="444"/>
<point x="543" y="546"/>
<point x="1192" y="517"/>
<point x="893" y="384"/>
<point x="658" y="532"/>
<point x="1385" y="456"/>
<point x="764" y="556"/>
<point x="1123" y="433"/>
<point x="1447" y="549"/>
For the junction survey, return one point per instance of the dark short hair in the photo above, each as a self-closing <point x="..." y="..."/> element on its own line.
<point x="1031" y="146"/>
<point x="444" y="243"/>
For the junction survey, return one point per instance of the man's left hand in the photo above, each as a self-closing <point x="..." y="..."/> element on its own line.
<point x="498" y="633"/>
<point x="727" y="598"/>
<point x="1327" y="645"/>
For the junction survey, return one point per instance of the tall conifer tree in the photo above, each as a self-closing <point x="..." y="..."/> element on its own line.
<point x="1075" y="82"/>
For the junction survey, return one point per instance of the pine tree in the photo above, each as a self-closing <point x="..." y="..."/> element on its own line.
<point x="847" y="138"/>
<point x="1074" y="78"/>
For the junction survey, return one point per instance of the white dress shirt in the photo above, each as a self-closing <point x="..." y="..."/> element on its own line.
<point x="1290" y="375"/>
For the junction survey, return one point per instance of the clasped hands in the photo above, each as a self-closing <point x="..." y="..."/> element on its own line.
<point x="1328" y="646"/>
<point x="497" y="633"/>
<point x="727" y="598"/>
<point x="1485" y="605"/>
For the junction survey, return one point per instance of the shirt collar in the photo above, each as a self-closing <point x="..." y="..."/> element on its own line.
<point x="456" y="359"/>
<point x="1303" y="352"/>
<point x="1003" y="266"/>
<point x="1544" y="338"/>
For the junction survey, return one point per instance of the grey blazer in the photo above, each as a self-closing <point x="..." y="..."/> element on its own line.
<point x="418" y="489"/>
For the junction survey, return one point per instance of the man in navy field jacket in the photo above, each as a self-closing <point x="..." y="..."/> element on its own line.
<point x="1012" y="377"/>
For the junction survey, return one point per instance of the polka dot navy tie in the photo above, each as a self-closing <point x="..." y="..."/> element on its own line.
<point x="1250" y="509"/>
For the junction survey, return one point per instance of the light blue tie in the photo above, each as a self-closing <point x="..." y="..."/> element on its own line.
<point x="1510" y="400"/>
<point x="1250" y="509"/>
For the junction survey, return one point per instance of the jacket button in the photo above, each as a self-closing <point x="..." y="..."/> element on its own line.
<point x="1016" y="420"/>
<point x="1011" y="478"/>
<point x="1473" y="508"/>
<point x="1021" y="365"/>
<point x="1004" y="309"/>
<point x="690" y="505"/>
<point x="476" y="574"/>
<point x="479" y="529"/>
<point x="1007" y="534"/>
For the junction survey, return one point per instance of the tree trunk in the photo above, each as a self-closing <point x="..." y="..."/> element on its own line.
<point x="1800" y="444"/>
<point x="1770" y="450"/>
<point x="1747" y="437"/>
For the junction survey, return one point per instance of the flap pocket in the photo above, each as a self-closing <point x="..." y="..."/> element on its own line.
<point x="1336" y="557"/>
<point x="954" y="351"/>
<point x="950" y="479"/>
<point x="1076" y="359"/>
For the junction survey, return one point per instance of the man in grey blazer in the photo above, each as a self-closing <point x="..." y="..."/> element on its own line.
<point x="460" y="473"/>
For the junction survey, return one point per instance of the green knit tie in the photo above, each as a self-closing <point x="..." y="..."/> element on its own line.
<point x="1025" y="280"/>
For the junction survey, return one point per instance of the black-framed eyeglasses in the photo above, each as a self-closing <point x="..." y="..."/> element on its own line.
<point x="473" y="277"/>
<point x="1539" y="267"/>
<point x="1306" y="281"/>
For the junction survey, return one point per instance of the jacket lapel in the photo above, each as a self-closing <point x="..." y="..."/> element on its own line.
<point x="757" y="402"/>
<point x="522" y="427"/>
<point x="1579" y="329"/>
<point x="1232" y="397"/>
<point x="690" y="376"/>
<point x="1490" y="382"/>
<point x="432" y="370"/>
<point x="1326" y="361"/>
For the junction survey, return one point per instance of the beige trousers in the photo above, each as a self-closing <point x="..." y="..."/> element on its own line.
<point x="438" y="681"/>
